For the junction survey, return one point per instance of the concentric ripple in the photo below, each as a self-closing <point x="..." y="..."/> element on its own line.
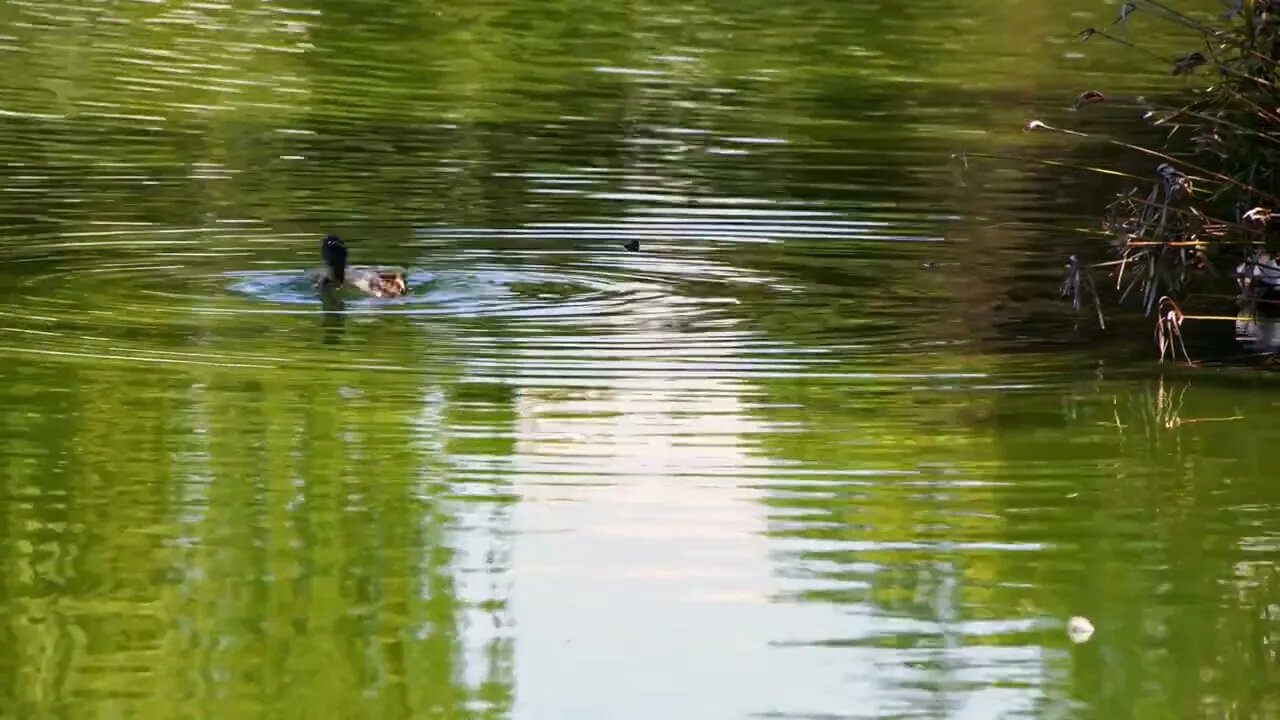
<point x="558" y="302"/>
<point x="243" y="297"/>
<point x="485" y="291"/>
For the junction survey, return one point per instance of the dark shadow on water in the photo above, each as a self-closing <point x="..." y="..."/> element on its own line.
<point x="333" y="318"/>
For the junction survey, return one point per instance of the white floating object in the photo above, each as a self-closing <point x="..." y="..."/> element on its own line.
<point x="1079" y="629"/>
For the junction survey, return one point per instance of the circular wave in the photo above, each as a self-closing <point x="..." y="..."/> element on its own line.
<point x="547" y="304"/>
<point x="481" y="292"/>
<point x="245" y="299"/>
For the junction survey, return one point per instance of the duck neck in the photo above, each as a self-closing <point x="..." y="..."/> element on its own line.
<point x="336" y="274"/>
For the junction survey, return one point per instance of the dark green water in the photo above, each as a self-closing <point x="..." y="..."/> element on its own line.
<point x="828" y="446"/>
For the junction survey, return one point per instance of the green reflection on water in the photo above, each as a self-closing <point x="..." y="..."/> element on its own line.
<point x="235" y="545"/>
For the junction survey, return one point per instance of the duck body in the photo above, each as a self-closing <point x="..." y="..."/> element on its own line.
<point x="378" y="282"/>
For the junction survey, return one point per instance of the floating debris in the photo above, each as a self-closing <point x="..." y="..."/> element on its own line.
<point x="1086" y="33"/>
<point x="1079" y="629"/>
<point x="632" y="245"/>
<point x="1088" y="97"/>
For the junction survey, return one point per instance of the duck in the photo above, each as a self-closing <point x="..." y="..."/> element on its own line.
<point x="378" y="282"/>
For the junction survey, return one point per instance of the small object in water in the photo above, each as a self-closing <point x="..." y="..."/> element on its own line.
<point x="1187" y="63"/>
<point x="1086" y="34"/>
<point x="632" y="245"/>
<point x="377" y="282"/>
<point x="1034" y="125"/>
<point x="1079" y="629"/>
<point x="1088" y="97"/>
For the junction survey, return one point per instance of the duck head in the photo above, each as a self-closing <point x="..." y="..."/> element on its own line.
<point x="334" y="253"/>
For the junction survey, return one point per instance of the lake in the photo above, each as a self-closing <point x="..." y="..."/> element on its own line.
<point x="828" y="445"/>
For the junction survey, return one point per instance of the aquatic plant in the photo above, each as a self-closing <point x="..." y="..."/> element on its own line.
<point x="1205" y="211"/>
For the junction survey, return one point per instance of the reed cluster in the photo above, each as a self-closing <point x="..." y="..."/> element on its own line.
<point x="1205" y="210"/>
